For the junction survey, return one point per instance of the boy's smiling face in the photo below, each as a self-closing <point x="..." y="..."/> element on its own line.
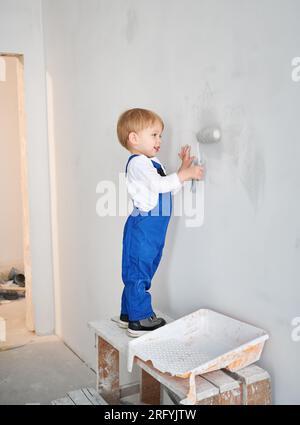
<point x="146" y="141"/>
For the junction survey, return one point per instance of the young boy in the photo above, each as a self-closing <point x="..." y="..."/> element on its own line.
<point x="139" y="131"/>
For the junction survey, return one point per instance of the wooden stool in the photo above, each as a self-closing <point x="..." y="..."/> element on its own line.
<point x="250" y="385"/>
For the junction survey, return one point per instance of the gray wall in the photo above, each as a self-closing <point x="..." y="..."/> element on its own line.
<point x="194" y="62"/>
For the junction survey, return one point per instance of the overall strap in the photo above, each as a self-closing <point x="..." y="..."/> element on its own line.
<point x="130" y="158"/>
<point x="159" y="168"/>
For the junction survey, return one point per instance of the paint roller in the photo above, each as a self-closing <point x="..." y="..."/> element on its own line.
<point x="206" y="136"/>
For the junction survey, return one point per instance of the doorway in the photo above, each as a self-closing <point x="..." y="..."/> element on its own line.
<point x="16" y="307"/>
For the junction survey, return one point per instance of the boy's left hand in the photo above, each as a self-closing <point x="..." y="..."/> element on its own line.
<point x="185" y="157"/>
<point x="188" y="170"/>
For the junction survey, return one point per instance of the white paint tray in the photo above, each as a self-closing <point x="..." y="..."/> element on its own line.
<point x="201" y="342"/>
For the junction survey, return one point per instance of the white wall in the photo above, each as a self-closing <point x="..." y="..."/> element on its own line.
<point x="11" y="228"/>
<point x="21" y="33"/>
<point x="194" y="62"/>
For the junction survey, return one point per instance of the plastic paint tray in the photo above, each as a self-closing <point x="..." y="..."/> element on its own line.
<point x="201" y="342"/>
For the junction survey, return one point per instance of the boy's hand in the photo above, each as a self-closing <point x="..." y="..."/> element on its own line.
<point x="184" y="155"/>
<point x="187" y="171"/>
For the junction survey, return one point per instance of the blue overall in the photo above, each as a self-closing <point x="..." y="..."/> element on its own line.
<point x="143" y="242"/>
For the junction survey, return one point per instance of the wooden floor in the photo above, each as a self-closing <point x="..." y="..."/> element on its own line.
<point x="83" y="396"/>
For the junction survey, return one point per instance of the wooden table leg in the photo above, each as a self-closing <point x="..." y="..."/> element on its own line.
<point x="108" y="372"/>
<point x="255" y="385"/>
<point x="150" y="389"/>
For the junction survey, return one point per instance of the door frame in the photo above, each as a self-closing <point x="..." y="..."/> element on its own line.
<point x="30" y="321"/>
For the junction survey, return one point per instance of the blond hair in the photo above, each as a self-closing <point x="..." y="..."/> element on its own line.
<point x="135" y="119"/>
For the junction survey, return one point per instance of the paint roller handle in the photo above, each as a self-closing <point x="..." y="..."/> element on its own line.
<point x="193" y="183"/>
<point x="197" y="161"/>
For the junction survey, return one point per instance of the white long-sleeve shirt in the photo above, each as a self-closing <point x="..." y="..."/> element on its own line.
<point x="144" y="183"/>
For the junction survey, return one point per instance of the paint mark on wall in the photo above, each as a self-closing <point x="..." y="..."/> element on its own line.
<point x="131" y="25"/>
<point x="240" y="143"/>
<point x="207" y="96"/>
<point x="252" y="169"/>
<point x="206" y="107"/>
<point x="234" y="126"/>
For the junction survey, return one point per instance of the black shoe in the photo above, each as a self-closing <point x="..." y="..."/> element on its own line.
<point x="123" y="321"/>
<point x="140" y="327"/>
